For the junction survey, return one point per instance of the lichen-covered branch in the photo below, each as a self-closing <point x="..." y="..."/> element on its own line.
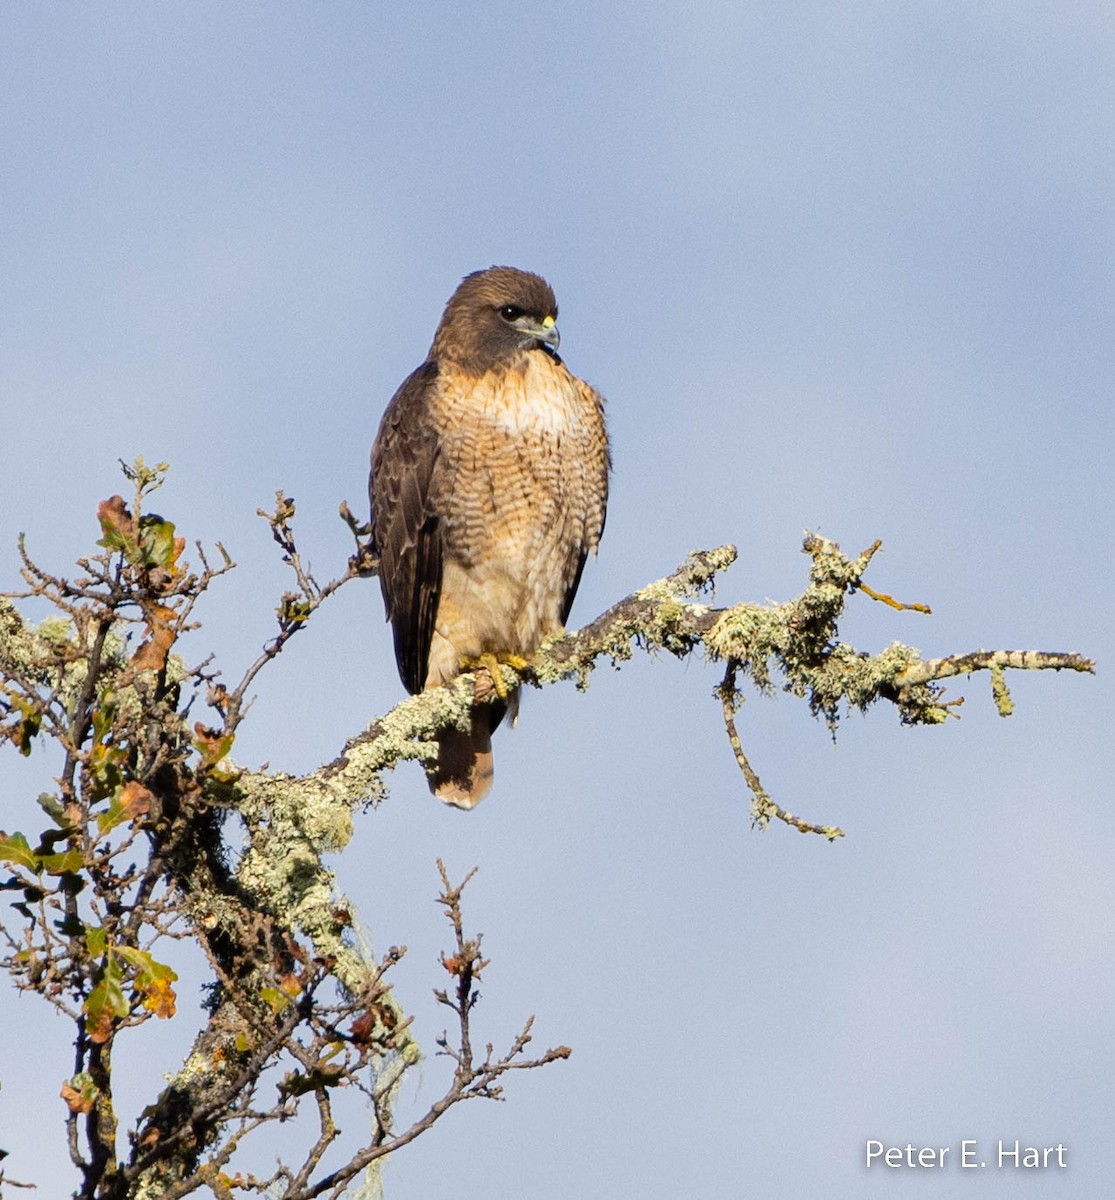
<point x="794" y="645"/>
<point x="763" y="808"/>
<point x="991" y="660"/>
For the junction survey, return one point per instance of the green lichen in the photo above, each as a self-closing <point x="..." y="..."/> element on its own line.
<point x="753" y="636"/>
<point x="1004" y="705"/>
<point x="694" y="576"/>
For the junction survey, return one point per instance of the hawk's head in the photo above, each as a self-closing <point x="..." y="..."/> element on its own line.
<point x="494" y="316"/>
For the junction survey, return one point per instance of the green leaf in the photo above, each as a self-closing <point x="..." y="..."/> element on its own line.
<point x="104" y="766"/>
<point x="102" y="719"/>
<point x="148" y="478"/>
<point x="295" y="1083"/>
<point x="27" y="730"/>
<point x="116" y="814"/>
<point x="212" y="746"/>
<point x="15" y="848"/>
<point x="96" y="940"/>
<point x="129" y="802"/>
<point x="62" y="864"/>
<point x="156" y="538"/>
<point x="106" y="1003"/>
<point x="28" y="727"/>
<point x="54" y="808"/>
<point x="152" y="980"/>
<point x="274" y="998"/>
<point x="147" y="968"/>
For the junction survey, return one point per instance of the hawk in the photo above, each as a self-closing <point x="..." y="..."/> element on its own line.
<point x="489" y="485"/>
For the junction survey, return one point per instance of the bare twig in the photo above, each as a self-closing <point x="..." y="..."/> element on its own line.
<point x="471" y="1079"/>
<point x="6" y="1182"/>
<point x="294" y="610"/>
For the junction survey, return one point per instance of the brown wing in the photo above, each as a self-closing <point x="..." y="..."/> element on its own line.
<point x="406" y="531"/>
<point x="597" y="468"/>
<point x="571" y="590"/>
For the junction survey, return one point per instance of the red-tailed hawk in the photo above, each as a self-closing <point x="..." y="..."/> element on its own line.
<point x="489" y="484"/>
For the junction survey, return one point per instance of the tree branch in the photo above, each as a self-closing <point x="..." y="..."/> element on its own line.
<point x="796" y="643"/>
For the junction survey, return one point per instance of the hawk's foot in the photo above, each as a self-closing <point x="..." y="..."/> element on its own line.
<point x="492" y="663"/>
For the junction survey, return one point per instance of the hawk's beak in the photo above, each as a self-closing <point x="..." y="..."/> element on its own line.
<point x="543" y="331"/>
<point x="550" y="333"/>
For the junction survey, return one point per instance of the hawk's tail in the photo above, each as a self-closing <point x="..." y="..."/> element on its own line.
<point x="462" y="775"/>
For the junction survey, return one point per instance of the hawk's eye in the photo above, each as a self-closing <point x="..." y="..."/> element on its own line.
<point x="510" y="312"/>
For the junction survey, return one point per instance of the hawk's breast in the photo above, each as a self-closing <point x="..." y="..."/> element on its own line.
<point x="524" y="483"/>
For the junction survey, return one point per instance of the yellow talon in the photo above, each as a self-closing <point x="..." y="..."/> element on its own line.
<point x="492" y="663"/>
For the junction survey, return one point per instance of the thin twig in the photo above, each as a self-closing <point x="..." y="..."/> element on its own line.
<point x="763" y="807"/>
<point x="883" y="598"/>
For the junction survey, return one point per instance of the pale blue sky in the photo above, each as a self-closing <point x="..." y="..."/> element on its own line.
<point x="837" y="267"/>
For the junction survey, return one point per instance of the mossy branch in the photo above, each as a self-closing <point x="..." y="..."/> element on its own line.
<point x="795" y="643"/>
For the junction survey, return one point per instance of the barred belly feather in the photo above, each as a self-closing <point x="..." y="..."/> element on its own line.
<point x="522" y="510"/>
